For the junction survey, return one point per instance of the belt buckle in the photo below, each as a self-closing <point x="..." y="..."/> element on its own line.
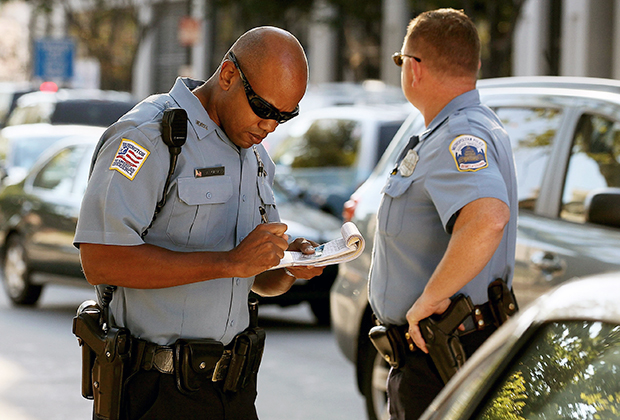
<point x="163" y="359"/>
<point x="221" y="368"/>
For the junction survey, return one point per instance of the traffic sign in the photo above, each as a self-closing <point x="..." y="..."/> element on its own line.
<point x="53" y="58"/>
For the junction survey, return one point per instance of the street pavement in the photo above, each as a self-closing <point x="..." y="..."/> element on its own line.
<point x="303" y="375"/>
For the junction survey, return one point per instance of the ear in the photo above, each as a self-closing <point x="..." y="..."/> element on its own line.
<point x="416" y="72"/>
<point x="226" y="76"/>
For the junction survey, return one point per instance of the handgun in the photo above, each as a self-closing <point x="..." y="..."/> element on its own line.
<point x="443" y="344"/>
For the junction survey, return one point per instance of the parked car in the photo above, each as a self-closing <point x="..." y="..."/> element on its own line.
<point x="565" y="135"/>
<point x="558" y="358"/>
<point x="329" y="152"/>
<point x="21" y="145"/>
<point x="10" y="92"/>
<point x="71" y="106"/>
<point x="38" y="217"/>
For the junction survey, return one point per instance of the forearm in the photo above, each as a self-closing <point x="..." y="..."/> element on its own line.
<point x="151" y="267"/>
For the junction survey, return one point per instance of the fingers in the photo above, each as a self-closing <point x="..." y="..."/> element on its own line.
<point x="416" y="336"/>
<point x="306" y="272"/>
<point x="303" y="245"/>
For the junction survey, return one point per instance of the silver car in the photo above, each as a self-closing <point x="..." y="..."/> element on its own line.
<point x="565" y="134"/>
<point x="559" y="358"/>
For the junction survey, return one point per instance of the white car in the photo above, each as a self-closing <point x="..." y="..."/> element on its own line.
<point x="329" y="152"/>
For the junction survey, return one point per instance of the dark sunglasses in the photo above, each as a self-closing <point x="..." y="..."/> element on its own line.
<point x="261" y="107"/>
<point x="398" y="58"/>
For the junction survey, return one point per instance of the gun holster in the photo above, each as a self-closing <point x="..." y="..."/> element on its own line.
<point x="105" y="355"/>
<point x="442" y="341"/>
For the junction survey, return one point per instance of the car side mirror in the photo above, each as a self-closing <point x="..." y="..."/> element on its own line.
<point x="603" y="207"/>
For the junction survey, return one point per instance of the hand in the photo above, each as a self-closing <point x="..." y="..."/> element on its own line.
<point x="262" y="249"/>
<point x="306" y="247"/>
<point x="423" y="308"/>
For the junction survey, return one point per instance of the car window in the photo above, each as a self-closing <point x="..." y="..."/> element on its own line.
<point x="97" y="113"/>
<point x="569" y="370"/>
<point x="386" y="134"/>
<point x="594" y="163"/>
<point x="326" y="143"/>
<point x="58" y="174"/>
<point x="531" y="132"/>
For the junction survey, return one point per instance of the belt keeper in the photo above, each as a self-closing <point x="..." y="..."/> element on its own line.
<point x="149" y="355"/>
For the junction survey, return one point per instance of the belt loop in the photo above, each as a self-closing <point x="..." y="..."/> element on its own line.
<point x="149" y="355"/>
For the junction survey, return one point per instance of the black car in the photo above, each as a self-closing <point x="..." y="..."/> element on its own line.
<point x="38" y="217"/>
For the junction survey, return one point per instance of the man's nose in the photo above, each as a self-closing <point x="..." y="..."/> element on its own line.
<point x="268" y="125"/>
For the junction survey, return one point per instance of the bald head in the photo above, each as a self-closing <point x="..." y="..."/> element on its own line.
<point x="268" y="52"/>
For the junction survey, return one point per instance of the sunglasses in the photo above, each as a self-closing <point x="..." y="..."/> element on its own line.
<point x="261" y="107"/>
<point x="398" y="58"/>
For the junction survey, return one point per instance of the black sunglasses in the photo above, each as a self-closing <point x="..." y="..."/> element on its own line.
<point x="398" y="58"/>
<point x="261" y="107"/>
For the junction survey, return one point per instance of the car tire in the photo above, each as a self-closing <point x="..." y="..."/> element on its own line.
<point x="375" y="372"/>
<point x="16" y="274"/>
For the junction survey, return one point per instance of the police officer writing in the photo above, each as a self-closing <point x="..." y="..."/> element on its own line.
<point x="182" y="278"/>
<point x="447" y="220"/>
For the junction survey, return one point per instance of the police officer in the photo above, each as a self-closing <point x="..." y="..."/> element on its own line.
<point x="217" y="235"/>
<point x="447" y="220"/>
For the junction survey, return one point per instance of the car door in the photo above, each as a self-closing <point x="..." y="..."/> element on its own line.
<point x="550" y="139"/>
<point x="53" y="207"/>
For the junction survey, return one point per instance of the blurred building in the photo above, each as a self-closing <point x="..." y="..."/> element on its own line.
<point x="568" y="38"/>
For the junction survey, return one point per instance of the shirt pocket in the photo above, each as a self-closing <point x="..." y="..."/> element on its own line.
<point x="391" y="212"/>
<point x="200" y="218"/>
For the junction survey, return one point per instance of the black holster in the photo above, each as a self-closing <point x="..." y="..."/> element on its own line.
<point x="105" y="357"/>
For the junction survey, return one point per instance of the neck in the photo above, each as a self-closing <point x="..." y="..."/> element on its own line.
<point x="207" y="99"/>
<point x="440" y="94"/>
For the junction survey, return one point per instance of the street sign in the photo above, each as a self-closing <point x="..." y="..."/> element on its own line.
<point x="53" y="58"/>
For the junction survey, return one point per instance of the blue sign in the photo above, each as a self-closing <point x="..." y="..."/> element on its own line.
<point x="53" y="58"/>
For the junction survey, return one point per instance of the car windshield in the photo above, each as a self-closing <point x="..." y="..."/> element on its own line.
<point x="26" y="151"/>
<point x="569" y="370"/>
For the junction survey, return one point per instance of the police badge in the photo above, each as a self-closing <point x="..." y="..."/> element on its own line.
<point x="408" y="164"/>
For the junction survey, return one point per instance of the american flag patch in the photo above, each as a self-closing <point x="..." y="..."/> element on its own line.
<point x="129" y="158"/>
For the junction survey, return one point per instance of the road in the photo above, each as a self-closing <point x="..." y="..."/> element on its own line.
<point x="303" y="375"/>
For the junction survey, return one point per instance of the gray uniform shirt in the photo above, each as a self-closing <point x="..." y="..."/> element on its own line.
<point x="464" y="155"/>
<point x="212" y="204"/>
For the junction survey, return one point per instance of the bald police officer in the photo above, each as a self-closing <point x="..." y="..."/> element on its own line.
<point x="219" y="232"/>
<point x="447" y="220"/>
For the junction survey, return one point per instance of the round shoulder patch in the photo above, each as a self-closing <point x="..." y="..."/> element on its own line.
<point x="469" y="153"/>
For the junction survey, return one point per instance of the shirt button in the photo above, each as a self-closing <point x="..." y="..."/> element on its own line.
<point x="209" y="195"/>
<point x="237" y="281"/>
<point x="243" y="197"/>
<point x="232" y="323"/>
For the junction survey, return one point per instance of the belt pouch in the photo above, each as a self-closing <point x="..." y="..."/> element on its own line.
<point x="194" y="361"/>
<point x="390" y="343"/>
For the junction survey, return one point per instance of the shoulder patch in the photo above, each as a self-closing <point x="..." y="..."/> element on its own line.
<point x="129" y="158"/>
<point x="469" y="153"/>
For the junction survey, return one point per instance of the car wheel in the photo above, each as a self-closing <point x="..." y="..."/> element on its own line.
<point x="375" y="372"/>
<point x="17" y="274"/>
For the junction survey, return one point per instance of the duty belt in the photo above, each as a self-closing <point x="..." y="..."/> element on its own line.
<point x="161" y="358"/>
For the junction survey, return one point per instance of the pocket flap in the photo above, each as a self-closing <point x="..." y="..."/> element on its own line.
<point x="216" y="190"/>
<point x="397" y="185"/>
<point x="204" y="354"/>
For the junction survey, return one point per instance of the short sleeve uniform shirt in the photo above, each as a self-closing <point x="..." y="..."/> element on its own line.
<point x="212" y="204"/>
<point x="463" y="155"/>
